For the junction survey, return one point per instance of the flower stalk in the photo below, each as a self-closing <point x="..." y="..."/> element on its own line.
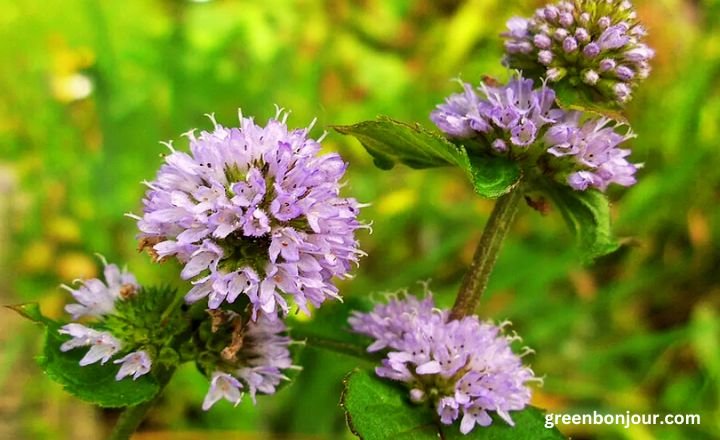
<point x="131" y="418"/>
<point x="476" y="279"/>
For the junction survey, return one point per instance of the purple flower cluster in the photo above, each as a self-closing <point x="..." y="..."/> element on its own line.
<point x="504" y="116"/>
<point x="97" y="299"/>
<point x="253" y="211"/>
<point x="595" y="43"/>
<point x="262" y="355"/>
<point x="592" y="147"/>
<point x="523" y="123"/>
<point x="465" y="367"/>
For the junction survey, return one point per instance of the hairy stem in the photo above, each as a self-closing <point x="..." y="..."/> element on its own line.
<point x="476" y="279"/>
<point x="132" y="416"/>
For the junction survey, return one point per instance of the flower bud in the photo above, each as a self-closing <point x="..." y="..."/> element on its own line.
<point x="591" y="50"/>
<point x="607" y="64"/>
<point x="417" y="395"/>
<point x="622" y="91"/>
<point x="590" y="77"/>
<point x="542" y="41"/>
<point x="551" y="13"/>
<point x="566" y="19"/>
<point x="555" y="74"/>
<point x="499" y="145"/>
<point x="624" y="73"/>
<point x="570" y="45"/>
<point x="545" y="57"/>
<point x="582" y="35"/>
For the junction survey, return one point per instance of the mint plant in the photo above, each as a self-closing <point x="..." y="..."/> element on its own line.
<point x="255" y="218"/>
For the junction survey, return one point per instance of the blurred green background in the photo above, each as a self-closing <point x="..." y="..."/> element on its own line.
<point x="88" y="88"/>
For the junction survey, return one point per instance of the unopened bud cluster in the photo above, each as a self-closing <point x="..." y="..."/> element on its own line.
<point x="596" y="44"/>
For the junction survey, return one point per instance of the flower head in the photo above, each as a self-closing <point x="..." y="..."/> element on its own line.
<point x="526" y="125"/>
<point x="253" y="211"/>
<point x="465" y="367"/>
<point x="597" y="44"/>
<point x="253" y="361"/>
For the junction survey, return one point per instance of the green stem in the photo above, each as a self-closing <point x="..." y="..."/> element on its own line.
<point x="339" y="347"/>
<point x="132" y="416"/>
<point x="476" y="279"/>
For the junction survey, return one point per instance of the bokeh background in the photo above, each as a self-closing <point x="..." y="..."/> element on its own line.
<point x="88" y="88"/>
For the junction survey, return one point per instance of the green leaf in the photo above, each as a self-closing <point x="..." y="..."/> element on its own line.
<point x="30" y="311"/>
<point x="390" y="142"/>
<point x="493" y="176"/>
<point x="378" y="409"/>
<point x="93" y="383"/>
<point x="587" y="214"/>
<point x="586" y="99"/>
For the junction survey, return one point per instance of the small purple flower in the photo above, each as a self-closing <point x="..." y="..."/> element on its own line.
<point x="254" y="211"/>
<point x="222" y="386"/>
<point x="257" y="365"/>
<point x="97" y="298"/>
<point x="460" y="115"/>
<point x="606" y="30"/>
<point x="592" y="148"/>
<point x="134" y="364"/>
<point x="102" y="344"/>
<point x="465" y="367"/>
<point x="613" y="37"/>
<point x="517" y="110"/>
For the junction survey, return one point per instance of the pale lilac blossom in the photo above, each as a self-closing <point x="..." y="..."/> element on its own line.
<point x="465" y="367"/>
<point x="134" y="364"/>
<point x="103" y="345"/>
<point x="254" y="211"/>
<point x="97" y="298"/>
